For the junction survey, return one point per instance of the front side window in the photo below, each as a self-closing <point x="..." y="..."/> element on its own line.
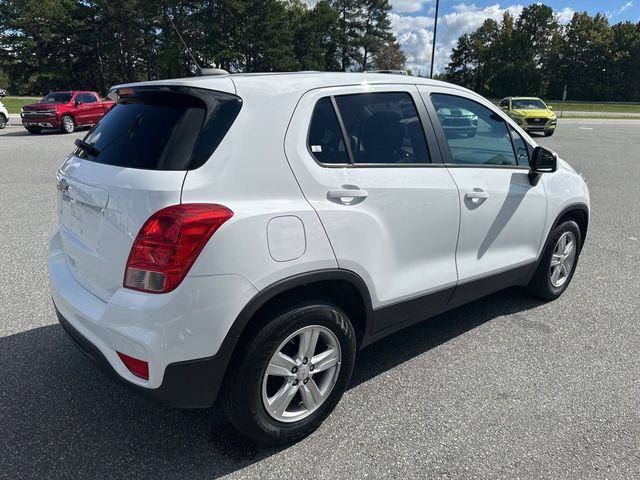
<point x="520" y="147"/>
<point x="383" y="128"/>
<point x="475" y="134"/>
<point x="89" y="98"/>
<point x="504" y="103"/>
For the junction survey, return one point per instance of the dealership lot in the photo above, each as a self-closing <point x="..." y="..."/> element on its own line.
<point x="504" y="387"/>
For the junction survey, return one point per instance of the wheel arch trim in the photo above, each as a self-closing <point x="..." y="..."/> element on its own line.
<point x="579" y="206"/>
<point x="230" y="342"/>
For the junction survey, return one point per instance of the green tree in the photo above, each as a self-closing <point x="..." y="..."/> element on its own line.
<point x="390" y="57"/>
<point x="349" y="26"/>
<point x="375" y="29"/>
<point x="461" y="69"/>
<point x="316" y="38"/>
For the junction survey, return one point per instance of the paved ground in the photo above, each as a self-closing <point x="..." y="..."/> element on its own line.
<point x="502" y="388"/>
<point x="576" y="113"/>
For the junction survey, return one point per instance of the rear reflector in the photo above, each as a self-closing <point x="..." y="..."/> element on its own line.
<point x="139" y="368"/>
<point x="168" y="244"/>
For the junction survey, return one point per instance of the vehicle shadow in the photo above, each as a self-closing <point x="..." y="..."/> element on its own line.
<point x="62" y="418"/>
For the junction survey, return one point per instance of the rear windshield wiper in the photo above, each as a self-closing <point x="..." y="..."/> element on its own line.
<point x="87" y="148"/>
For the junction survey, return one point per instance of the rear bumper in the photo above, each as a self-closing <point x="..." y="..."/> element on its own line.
<point x="189" y="384"/>
<point x="179" y="334"/>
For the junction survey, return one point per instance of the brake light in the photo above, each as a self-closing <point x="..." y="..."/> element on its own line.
<point x="139" y="368"/>
<point x="168" y="244"/>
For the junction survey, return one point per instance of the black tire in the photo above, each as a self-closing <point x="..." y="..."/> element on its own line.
<point x="541" y="285"/>
<point x="242" y="390"/>
<point x="3" y="121"/>
<point x="67" y="124"/>
<point x="34" y="130"/>
<point x="548" y="133"/>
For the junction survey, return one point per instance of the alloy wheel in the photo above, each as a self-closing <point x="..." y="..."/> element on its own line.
<point x="301" y="374"/>
<point x="562" y="259"/>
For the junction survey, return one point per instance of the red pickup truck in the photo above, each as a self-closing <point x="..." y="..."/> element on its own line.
<point x="65" y="111"/>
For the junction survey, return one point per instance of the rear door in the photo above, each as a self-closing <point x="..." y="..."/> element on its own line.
<point x="133" y="164"/>
<point x="502" y="213"/>
<point x="390" y="209"/>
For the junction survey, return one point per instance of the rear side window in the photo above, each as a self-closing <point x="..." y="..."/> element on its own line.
<point x="325" y="137"/>
<point x="383" y="128"/>
<point x="476" y="135"/>
<point x="162" y="129"/>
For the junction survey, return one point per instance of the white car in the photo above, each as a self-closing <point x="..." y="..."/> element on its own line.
<point x="4" y="116"/>
<point x="245" y="235"/>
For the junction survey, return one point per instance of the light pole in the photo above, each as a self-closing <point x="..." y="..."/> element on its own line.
<point x="433" y="48"/>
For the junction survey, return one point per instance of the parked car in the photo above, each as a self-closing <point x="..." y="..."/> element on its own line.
<point x="458" y="121"/>
<point x="4" y="116"/>
<point x="245" y="235"/>
<point x="3" y="92"/>
<point x="65" y="111"/>
<point x="531" y="114"/>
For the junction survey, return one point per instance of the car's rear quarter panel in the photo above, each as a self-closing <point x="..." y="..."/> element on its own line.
<point x="249" y="174"/>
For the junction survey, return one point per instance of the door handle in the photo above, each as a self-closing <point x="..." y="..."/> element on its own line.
<point x="347" y="196"/>
<point x="477" y="194"/>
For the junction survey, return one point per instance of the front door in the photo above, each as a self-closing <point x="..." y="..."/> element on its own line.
<point x="502" y="213"/>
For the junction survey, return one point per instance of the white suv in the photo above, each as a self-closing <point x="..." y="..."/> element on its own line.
<point x="4" y="116"/>
<point x="247" y="234"/>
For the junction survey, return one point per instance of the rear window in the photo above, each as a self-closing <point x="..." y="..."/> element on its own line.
<point x="161" y="129"/>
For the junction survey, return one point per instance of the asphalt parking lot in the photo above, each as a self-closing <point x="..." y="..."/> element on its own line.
<point x="505" y="387"/>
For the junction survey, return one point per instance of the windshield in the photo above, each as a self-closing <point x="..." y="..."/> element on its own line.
<point x="532" y="104"/>
<point x="57" y="98"/>
<point x="167" y="130"/>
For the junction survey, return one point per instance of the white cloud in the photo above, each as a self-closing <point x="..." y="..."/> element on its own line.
<point x="615" y="13"/>
<point x="415" y="34"/>
<point x="565" y="15"/>
<point x="408" y="6"/>
<point x="625" y="7"/>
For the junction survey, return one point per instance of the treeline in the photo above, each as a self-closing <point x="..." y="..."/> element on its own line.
<point x="535" y="55"/>
<point x="58" y="44"/>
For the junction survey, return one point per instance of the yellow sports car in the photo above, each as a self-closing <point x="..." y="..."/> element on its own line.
<point x="531" y="113"/>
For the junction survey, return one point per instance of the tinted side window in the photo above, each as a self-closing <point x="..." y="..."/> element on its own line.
<point x="520" y="146"/>
<point x="383" y="128"/>
<point x="475" y="134"/>
<point x="504" y="103"/>
<point x="89" y="98"/>
<point x="325" y="137"/>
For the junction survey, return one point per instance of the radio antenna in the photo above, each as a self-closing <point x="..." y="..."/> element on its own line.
<point x="184" y="43"/>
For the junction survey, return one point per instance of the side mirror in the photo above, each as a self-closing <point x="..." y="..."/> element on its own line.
<point x="543" y="160"/>
<point x="549" y="107"/>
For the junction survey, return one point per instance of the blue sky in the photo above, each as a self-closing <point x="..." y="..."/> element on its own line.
<point x="413" y="22"/>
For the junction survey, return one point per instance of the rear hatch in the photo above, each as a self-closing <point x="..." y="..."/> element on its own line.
<point x="130" y="165"/>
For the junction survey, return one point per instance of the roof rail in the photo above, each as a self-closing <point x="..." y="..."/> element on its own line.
<point x="205" y="72"/>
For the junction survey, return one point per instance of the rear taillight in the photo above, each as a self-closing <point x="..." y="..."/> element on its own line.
<point x="139" y="368"/>
<point x="168" y="244"/>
